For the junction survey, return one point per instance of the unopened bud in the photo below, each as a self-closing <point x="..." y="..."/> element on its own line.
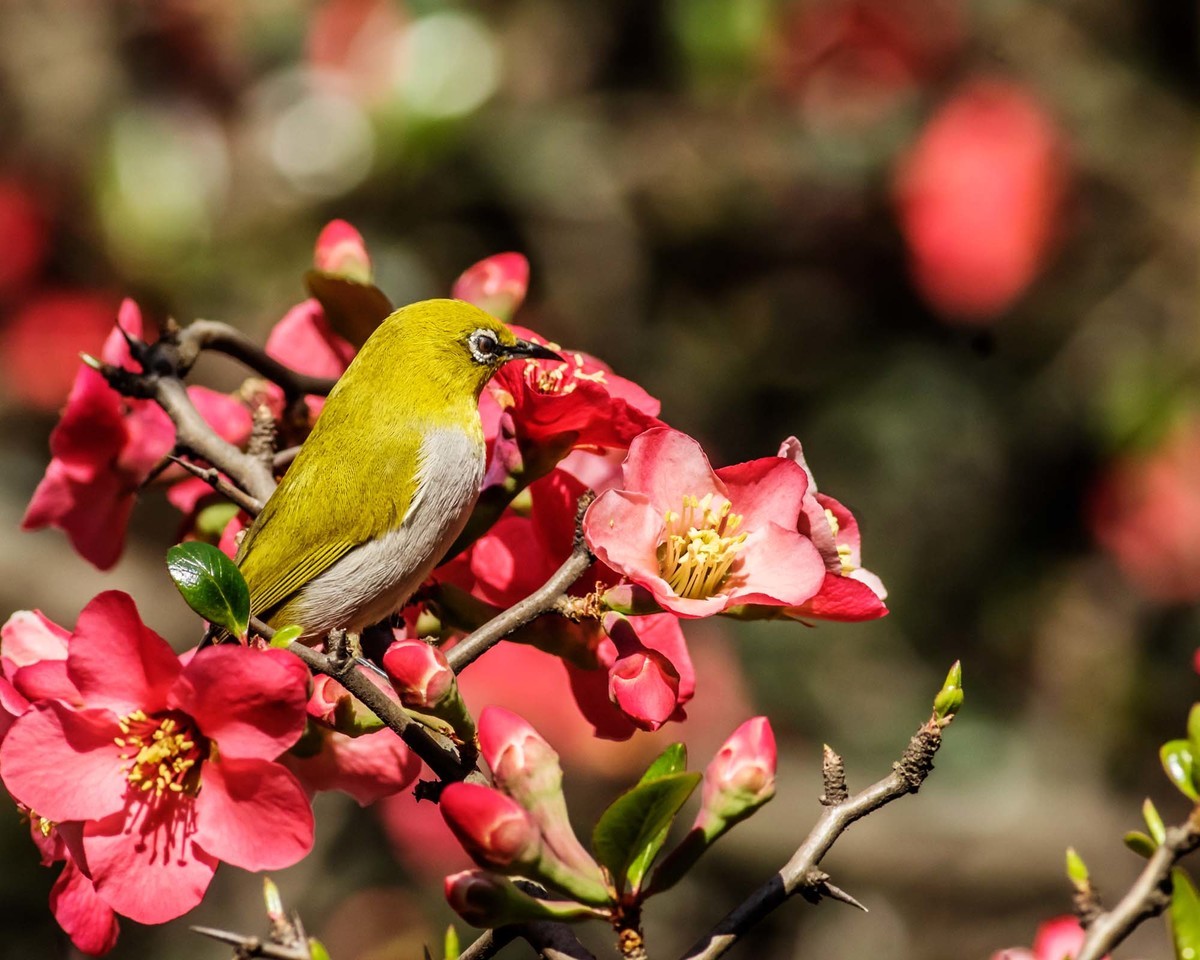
<point x="740" y="778"/>
<point x="419" y="672"/>
<point x="494" y="829"/>
<point x="496" y="284"/>
<point x="950" y="697"/>
<point x="340" y="251"/>
<point x="645" y="686"/>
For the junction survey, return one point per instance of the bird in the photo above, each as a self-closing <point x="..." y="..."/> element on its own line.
<point x="388" y="476"/>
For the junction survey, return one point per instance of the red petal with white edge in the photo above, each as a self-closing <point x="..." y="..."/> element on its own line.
<point x="843" y="599"/>
<point x="86" y="919"/>
<point x="116" y="661"/>
<point x="253" y="814"/>
<point x="666" y="466"/>
<point x="64" y="763"/>
<point x="251" y="702"/>
<point x="768" y="490"/>
<point x="778" y="566"/>
<point x="29" y="636"/>
<point x="152" y="877"/>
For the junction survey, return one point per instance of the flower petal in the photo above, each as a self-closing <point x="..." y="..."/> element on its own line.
<point x="149" y="877"/>
<point x="253" y="814"/>
<point x="251" y="702"/>
<point x="29" y="636"/>
<point x="666" y="466"/>
<point x="767" y="490"/>
<point x="86" y="919"/>
<point x="47" y="680"/>
<point x="623" y="529"/>
<point x="118" y="662"/>
<point x="64" y="763"/>
<point x="779" y="566"/>
<point x="368" y="768"/>
<point x="841" y="598"/>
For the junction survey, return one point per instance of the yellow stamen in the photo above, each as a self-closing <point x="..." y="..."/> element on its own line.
<point x="162" y="754"/>
<point x="562" y="377"/>
<point x="700" y="547"/>
<point x="844" y="550"/>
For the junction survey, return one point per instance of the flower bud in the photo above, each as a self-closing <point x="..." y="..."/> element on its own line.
<point x="740" y="778"/>
<point x="496" y="284"/>
<point x="419" y="672"/>
<point x="333" y="705"/>
<point x="340" y="251"/>
<point x="645" y="687"/>
<point x="494" y="829"/>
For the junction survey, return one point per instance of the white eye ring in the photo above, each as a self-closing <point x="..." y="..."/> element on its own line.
<point x="484" y="346"/>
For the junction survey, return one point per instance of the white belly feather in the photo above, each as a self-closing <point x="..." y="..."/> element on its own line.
<point x="376" y="579"/>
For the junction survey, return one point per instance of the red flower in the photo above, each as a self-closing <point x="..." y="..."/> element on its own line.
<point x="848" y="592"/>
<point x="1056" y="939"/>
<point x="105" y="446"/>
<point x="978" y="199"/>
<point x="305" y="341"/>
<point x="168" y="768"/>
<point x="496" y="284"/>
<point x="703" y="542"/>
<point x="1146" y="513"/>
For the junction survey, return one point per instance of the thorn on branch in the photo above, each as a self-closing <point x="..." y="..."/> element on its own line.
<point x="833" y="773"/>
<point x="246" y="948"/>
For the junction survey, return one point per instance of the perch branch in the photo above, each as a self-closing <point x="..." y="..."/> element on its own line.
<point x="250" y="947"/>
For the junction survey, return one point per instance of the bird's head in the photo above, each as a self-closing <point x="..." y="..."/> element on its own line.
<point x="442" y="348"/>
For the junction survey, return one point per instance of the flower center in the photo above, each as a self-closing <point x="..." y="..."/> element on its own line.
<point x="843" y="549"/>
<point x="161" y="753"/>
<point x="700" y="547"/>
<point x="560" y="377"/>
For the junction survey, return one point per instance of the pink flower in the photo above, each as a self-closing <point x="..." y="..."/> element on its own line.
<point x="105" y="446"/>
<point x="979" y="199"/>
<point x="305" y="341"/>
<point x="577" y="403"/>
<point x="496" y="284"/>
<point x="168" y="768"/>
<point x="340" y="251"/>
<point x="703" y="542"/>
<point x="1145" y="512"/>
<point x="848" y="592"/>
<point x="1056" y="939"/>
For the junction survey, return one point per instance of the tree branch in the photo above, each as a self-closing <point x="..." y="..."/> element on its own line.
<point x="478" y="642"/>
<point x="251" y="947"/>
<point x="1149" y="896"/>
<point x="220" y="337"/>
<point x="800" y="875"/>
<point x="212" y="476"/>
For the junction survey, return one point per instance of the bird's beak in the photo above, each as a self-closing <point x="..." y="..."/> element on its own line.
<point x="526" y="348"/>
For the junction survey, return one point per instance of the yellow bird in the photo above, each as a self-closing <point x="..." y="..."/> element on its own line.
<point x="387" y="478"/>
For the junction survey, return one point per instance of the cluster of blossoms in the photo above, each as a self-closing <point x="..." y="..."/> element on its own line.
<point x="142" y="792"/>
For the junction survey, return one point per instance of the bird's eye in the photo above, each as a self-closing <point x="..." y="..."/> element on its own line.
<point x="484" y="346"/>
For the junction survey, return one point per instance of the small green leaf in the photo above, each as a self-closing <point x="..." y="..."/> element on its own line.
<point x="451" y="948"/>
<point x="1077" y="871"/>
<point x="316" y="949"/>
<point x="285" y="636"/>
<point x="1184" y="916"/>
<point x="1193" y="727"/>
<point x="211" y="584"/>
<point x="1140" y="844"/>
<point x="212" y="520"/>
<point x="1179" y="763"/>
<point x="671" y="760"/>
<point x="1154" y="823"/>
<point x="632" y="830"/>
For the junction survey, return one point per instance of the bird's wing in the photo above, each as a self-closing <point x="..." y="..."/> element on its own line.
<point x="293" y="541"/>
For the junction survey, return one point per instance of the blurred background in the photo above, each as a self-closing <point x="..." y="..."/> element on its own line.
<point x="951" y="245"/>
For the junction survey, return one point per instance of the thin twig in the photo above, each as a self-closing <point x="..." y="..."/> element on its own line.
<point x="489" y="943"/>
<point x="439" y="754"/>
<point x="478" y="642"/>
<point x="222" y="338"/>
<point x="285" y="457"/>
<point x="248" y="947"/>
<point x="554" y="941"/>
<point x="1149" y="896"/>
<point x="213" y="478"/>
<point x="800" y="874"/>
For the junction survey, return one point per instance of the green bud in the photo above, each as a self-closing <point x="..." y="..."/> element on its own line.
<point x="1154" y="822"/>
<point x="950" y="697"/>
<point x="316" y="950"/>
<point x="1077" y="871"/>
<point x="1140" y="844"/>
<point x="450" y="945"/>
<point x="286" y="636"/>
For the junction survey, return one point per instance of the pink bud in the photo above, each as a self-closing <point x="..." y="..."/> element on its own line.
<point x="740" y="778"/>
<point x="494" y="830"/>
<point x="1058" y="938"/>
<point x="419" y="672"/>
<point x="496" y="284"/>
<point x="511" y="747"/>
<point x="645" y="687"/>
<point x="341" y="251"/>
<point x="477" y="896"/>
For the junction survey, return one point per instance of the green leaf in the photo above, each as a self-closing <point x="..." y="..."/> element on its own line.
<point x="671" y="760"/>
<point x="1140" y="844"/>
<point x="632" y="830"/>
<point x="353" y="309"/>
<point x="1184" y="916"/>
<point x="1077" y="871"/>
<point x="285" y="636"/>
<point x="1179" y="763"/>
<point x="1154" y="823"/>
<point x="211" y="584"/>
<point x="451" y="948"/>
<point x="1193" y="727"/>
<point x="316" y="949"/>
